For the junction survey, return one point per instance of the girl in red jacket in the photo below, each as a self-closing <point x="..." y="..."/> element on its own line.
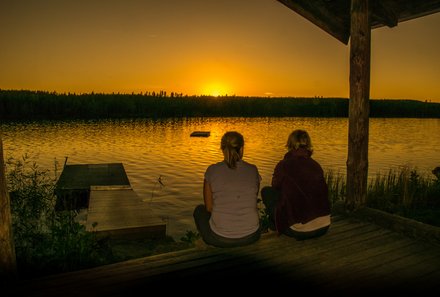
<point x="297" y="203"/>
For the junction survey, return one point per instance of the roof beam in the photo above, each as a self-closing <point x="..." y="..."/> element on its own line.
<point x="320" y="16"/>
<point x="403" y="10"/>
<point x="416" y="8"/>
<point x="333" y="16"/>
<point x="384" y="13"/>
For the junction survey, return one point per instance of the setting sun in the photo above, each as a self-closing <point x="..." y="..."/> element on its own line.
<point x="215" y="89"/>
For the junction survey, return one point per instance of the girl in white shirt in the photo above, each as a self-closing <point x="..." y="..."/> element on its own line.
<point x="229" y="216"/>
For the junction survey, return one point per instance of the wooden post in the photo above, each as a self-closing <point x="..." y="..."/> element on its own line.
<point x="8" y="269"/>
<point x="357" y="161"/>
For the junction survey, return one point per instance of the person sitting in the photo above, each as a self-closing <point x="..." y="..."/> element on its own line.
<point x="297" y="203"/>
<point x="230" y="216"/>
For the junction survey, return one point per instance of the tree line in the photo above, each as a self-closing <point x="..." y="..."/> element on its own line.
<point x="40" y="105"/>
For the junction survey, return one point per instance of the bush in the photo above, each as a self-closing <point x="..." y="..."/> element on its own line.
<point x="47" y="241"/>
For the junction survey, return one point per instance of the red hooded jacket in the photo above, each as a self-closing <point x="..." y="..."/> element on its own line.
<point x="304" y="191"/>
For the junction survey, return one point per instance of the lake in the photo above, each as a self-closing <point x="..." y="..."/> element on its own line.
<point x="153" y="149"/>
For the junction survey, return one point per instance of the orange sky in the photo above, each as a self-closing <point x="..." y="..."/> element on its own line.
<point x="241" y="47"/>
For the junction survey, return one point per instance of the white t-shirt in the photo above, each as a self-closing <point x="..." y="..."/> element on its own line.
<point x="235" y="191"/>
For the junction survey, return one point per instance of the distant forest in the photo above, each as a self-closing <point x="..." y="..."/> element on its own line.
<point x="39" y="105"/>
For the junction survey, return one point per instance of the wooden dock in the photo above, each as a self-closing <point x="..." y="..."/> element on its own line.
<point x="118" y="212"/>
<point x="73" y="186"/>
<point x="112" y="207"/>
<point x="355" y="258"/>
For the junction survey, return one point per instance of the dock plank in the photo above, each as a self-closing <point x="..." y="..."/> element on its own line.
<point x="121" y="212"/>
<point x="355" y="258"/>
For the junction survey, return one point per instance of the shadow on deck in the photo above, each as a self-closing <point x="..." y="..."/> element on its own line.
<point x="355" y="258"/>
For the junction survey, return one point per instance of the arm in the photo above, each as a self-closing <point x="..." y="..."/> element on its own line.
<point x="259" y="178"/>
<point x="207" y="195"/>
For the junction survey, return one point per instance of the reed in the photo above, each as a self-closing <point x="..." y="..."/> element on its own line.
<point x="402" y="191"/>
<point x="336" y="186"/>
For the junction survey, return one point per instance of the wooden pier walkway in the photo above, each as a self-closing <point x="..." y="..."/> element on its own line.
<point x="118" y="212"/>
<point x="355" y="258"/>
<point x="112" y="207"/>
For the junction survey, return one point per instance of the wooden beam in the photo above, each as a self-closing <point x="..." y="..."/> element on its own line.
<point x="403" y="11"/>
<point x="411" y="9"/>
<point x="357" y="162"/>
<point x="8" y="270"/>
<point x="382" y="12"/>
<point x="319" y="15"/>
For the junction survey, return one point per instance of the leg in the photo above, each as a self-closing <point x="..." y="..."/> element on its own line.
<point x="220" y="241"/>
<point x="201" y="218"/>
<point x="270" y="197"/>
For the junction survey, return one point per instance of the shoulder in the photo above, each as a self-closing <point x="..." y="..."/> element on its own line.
<point x="215" y="170"/>
<point x="316" y="165"/>
<point x="281" y="163"/>
<point x="216" y="166"/>
<point x="248" y="165"/>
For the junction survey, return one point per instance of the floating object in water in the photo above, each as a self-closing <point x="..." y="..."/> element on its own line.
<point x="200" y="134"/>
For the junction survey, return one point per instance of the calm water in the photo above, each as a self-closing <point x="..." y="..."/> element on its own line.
<point x="152" y="149"/>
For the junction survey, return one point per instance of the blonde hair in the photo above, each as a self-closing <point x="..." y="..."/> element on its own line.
<point x="299" y="138"/>
<point x="231" y="145"/>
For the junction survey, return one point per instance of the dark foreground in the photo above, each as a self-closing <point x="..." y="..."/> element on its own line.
<point x="355" y="258"/>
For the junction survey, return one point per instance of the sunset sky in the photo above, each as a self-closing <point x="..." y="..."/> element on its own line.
<point x="211" y="47"/>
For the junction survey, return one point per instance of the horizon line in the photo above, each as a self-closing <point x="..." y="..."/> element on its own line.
<point x="166" y="94"/>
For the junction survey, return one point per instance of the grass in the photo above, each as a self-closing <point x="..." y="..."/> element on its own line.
<point x="403" y="192"/>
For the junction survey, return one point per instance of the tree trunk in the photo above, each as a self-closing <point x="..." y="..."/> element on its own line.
<point x="8" y="268"/>
<point x="357" y="161"/>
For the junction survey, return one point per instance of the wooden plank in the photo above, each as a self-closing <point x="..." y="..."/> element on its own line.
<point x="374" y="272"/>
<point x="384" y="13"/>
<point x="110" y="187"/>
<point x="82" y="176"/>
<point x="359" y="258"/>
<point x="354" y="252"/>
<point x="76" y="180"/>
<point x="261" y="253"/>
<point x="409" y="227"/>
<point x="399" y="266"/>
<point x="121" y="213"/>
<point x="412" y="269"/>
<point x="136" y="266"/>
<point x="315" y="254"/>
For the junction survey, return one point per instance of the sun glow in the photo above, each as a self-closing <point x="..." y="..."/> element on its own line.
<point x="215" y="89"/>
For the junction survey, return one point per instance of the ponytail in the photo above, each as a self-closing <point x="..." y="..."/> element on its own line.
<point x="231" y="144"/>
